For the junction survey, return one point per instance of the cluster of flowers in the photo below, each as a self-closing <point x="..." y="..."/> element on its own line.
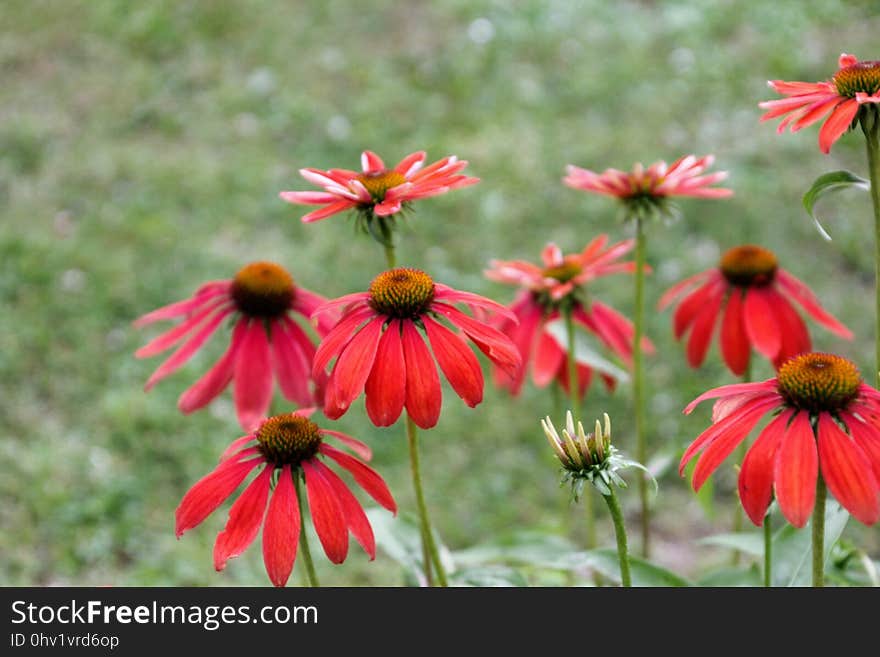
<point x="388" y="341"/>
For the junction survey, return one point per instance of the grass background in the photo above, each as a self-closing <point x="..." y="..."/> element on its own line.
<point x="142" y="147"/>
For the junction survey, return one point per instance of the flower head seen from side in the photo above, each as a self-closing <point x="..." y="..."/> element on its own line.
<point x="282" y="449"/>
<point x="752" y="296"/>
<point x="825" y="421"/>
<point x="587" y="458"/>
<point x="377" y="191"/>
<point x="558" y="284"/>
<point x="647" y="191"/>
<point x="266" y="344"/>
<point x="379" y="348"/>
<point x="853" y="89"/>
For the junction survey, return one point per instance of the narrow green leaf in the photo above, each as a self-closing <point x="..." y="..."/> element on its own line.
<point x="401" y="540"/>
<point x="830" y="182"/>
<point x="584" y="353"/>
<point x="742" y="576"/>
<point x="644" y="573"/>
<point x="488" y="576"/>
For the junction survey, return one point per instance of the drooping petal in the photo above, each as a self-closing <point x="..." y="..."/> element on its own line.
<point x="756" y="475"/>
<point x="423" y="393"/>
<point x="253" y="376"/>
<point x="524" y="336"/>
<point x="186" y="351"/>
<point x="371" y="163"/>
<point x="848" y="472"/>
<point x="369" y="479"/>
<point x="337" y="339"/>
<point x="215" y="380"/>
<point x="292" y="367"/>
<point x="837" y="124"/>
<point x="386" y="386"/>
<point x="355" y="518"/>
<point x="795" y="337"/>
<point x="361" y="449"/>
<point x="209" y="492"/>
<point x="327" y="514"/>
<point x="450" y="295"/>
<point x="867" y="437"/>
<point x="173" y="336"/>
<point x="702" y="330"/>
<point x="548" y="358"/>
<point x="724" y="442"/>
<point x="457" y="361"/>
<point x="245" y="518"/>
<point x="327" y="211"/>
<point x="670" y="295"/>
<point x="492" y="342"/>
<point x="795" y="471"/>
<point x="235" y="446"/>
<point x="693" y="303"/>
<point x="352" y="368"/>
<point x="756" y="389"/>
<point x="808" y="301"/>
<point x="734" y="342"/>
<point x="760" y="323"/>
<point x="187" y="306"/>
<point x="281" y="530"/>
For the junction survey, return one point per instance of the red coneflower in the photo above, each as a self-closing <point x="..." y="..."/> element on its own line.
<point x="826" y="421"/>
<point x="751" y="291"/>
<point x="379" y="348"/>
<point x="645" y="190"/>
<point x="545" y="290"/>
<point x="377" y="190"/>
<point x="288" y="446"/>
<point x="265" y="339"/>
<point x="855" y="85"/>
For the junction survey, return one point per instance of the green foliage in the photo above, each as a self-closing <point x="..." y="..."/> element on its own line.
<point x="830" y="182"/>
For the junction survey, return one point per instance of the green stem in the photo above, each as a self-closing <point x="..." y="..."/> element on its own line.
<point x="429" y="547"/>
<point x="620" y="533"/>
<point x="768" y="551"/>
<point x="872" y="137"/>
<point x="390" y="257"/>
<point x="574" y="403"/>
<point x="638" y="385"/>
<point x="305" y="554"/>
<point x="819" y="534"/>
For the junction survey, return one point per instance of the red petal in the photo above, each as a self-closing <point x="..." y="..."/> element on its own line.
<point x="703" y="327"/>
<point x="734" y="343"/>
<point x="173" y="336"/>
<point x="693" y="303"/>
<point x="489" y="340"/>
<point x="795" y="338"/>
<point x="848" y="472"/>
<point x="457" y="361"/>
<point x="209" y="492"/>
<point x="761" y="324"/>
<point x="253" y="376"/>
<point x="386" y="386"/>
<point x="292" y="367"/>
<point x="215" y="380"/>
<point x="369" y="479"/>
<point x="423" y="394"/>
<point x="549" y="358"/>
<point x="756" y="474"/>
<point x="353" y="367"/>
<point x="281" y="530"/>
<point x="354" y="514"/>
<point x="371" y="163"/>
<point x="327" y="514"/>
<point x="339" y="337"/>
<point x="724" y="442"/>
<point x="837" y="124"/>
<point x="358" y="447"/>
<point x="677" y="289"/>
<point x="795" y="471"/>
<point x="178" y="308"/>
<point x="868" y="438"/>
<point x="245" y="518"/>
<point x="805" y="297"/>
<point x="524" y="336"/>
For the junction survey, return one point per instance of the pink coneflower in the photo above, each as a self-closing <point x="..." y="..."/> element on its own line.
<point x="266" y="342"/>
<point x="545" y="290"/>
<point x="826" y="420"/>
<point x="377" y="190"/>
<point x="855" y="85"/>
<point x="379" y="348"/>
<point x="646" y="190"/>
<point x="289" y="447"/>
<point x="751" y="293"/>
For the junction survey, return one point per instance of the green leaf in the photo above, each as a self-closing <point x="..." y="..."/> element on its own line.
<point x="530" y="548"/>
<point x="400" y="539"/>
<point x="488" y="576"/>
<point x="830" y="182"/>
<point x="731" y="576"/>
<point x="584" y="353"/>
<point x="644" y="573"/>
<point x="793" y="550"/>
<point x="751" y="543"/>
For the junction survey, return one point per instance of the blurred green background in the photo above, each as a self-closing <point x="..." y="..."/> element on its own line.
<point x="142" y="147"/>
